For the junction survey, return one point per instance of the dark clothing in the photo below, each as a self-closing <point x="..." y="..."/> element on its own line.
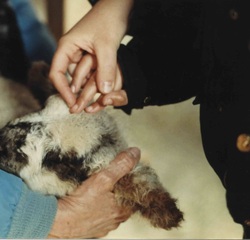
<point x="161" y="65"/>
<point x="225" y="112"/>
<point x="14" y="63"/>
<point x="186" y="48"/>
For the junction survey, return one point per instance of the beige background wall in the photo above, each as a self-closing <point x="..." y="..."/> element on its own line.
<point x="73" y="11"/>
<point x="169" y="138"/>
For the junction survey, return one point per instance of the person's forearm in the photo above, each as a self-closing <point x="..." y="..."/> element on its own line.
<point x="114" y="11"/>
<point x="120" y="9"/>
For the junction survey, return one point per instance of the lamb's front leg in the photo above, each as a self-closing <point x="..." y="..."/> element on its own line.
<point x="142" y="191"/>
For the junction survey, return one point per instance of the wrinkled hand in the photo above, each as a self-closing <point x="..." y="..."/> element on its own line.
<point x="91" y="211"/>
<point x="99" y="34"/>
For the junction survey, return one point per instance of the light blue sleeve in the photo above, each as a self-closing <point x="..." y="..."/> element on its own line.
<point x="24" y="213"/>
<point x="39" y="42"/>
<point x="10" y="192"/>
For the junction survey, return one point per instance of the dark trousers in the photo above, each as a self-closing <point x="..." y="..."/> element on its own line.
<point x="246" y="234"/>
<point x="220" y="128"/>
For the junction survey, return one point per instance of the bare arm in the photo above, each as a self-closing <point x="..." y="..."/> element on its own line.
<point x="98" y="33"/>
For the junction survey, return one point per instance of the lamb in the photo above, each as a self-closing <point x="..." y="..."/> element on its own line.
<point x="54" y="151"/>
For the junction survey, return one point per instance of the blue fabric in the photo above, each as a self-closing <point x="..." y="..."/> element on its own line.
<point x="10" y="192"/>
<point x="38" y="41"/>
<point x="33" y="216"/>
<point x="24" y="213"/>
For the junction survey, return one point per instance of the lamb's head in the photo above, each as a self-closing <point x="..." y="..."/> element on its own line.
<point x="20" y="138"/>
<point x="12" y="139"/>
<point x="54" y="151"/>
<point x="32" y="153"/>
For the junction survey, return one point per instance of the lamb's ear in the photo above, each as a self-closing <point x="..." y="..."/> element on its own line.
<point x="56" y="106"/>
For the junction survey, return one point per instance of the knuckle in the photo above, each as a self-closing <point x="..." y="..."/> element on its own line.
<point x="123" y="98"/>
<point x="127" y="161"/>
<point x="105" y="178"/>
<point x="92" y="84"/>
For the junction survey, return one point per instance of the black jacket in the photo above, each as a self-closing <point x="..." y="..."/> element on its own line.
<point x="185" y="48"/>
<point x="161" y="64"/>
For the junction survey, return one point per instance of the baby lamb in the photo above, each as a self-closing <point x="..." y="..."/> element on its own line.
<point x="54" y="151"/>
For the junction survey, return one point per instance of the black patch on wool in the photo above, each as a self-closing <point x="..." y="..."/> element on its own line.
<point x="68" y="166"/>
<point x="105" y="140"/>
<point x="71" y="167"/>
<point x="12" y="138"/>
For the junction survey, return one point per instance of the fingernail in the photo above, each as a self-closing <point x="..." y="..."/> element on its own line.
<point x="134" y="151"/>
<point x="73" y="88"/>
<point x="107" y="87"/>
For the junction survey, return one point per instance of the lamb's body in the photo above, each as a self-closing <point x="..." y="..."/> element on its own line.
<point x="59" y="149"/>
<point x="53" y="151"/>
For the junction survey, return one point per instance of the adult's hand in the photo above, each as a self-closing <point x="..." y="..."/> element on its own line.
<point x="91" y="210"/>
